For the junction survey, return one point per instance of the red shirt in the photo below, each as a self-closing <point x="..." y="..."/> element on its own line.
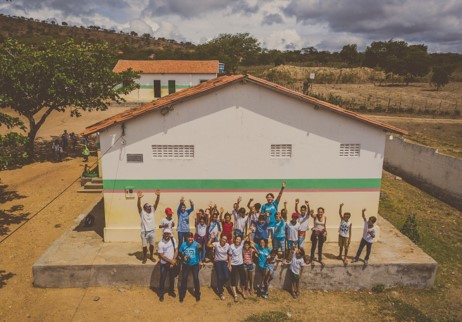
<point x="227" y="231"/>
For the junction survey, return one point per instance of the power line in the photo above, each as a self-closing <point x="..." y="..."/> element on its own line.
<point x="56" y="197"/>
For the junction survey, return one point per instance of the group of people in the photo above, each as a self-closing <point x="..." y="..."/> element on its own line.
<point x="238" y="243"/>
<point x="62" y="144"/>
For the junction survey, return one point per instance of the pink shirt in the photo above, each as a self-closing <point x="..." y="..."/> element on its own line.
<point x="247" y="255"/>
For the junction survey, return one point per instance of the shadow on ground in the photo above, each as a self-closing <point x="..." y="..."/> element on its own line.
<point x="13" y="215"/>
<point x="94" y="221"/>
<point x="4" y="276"/>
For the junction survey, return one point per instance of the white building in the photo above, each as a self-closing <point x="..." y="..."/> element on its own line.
<point x="159" y="78"/>
<point x="239" y="136"/>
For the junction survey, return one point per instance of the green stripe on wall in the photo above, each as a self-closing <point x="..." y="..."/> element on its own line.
<point x="244" y="184"/>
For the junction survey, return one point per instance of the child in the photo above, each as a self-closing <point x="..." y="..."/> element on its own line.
<point x="247" y="255"/>
<point x="167" y="222"/>
<point x="227" y="226"/>
<point x="262" y="252"/>
<point x="344" y="234"/>
<point x="220" y="262"/>
<point x="303" y="219"/>
<point x="253" y="217"/>
<point x="183" y="220"/>
<point x="201" y="237"/>
<point x="279" y="240"/>
<point x="240" y="219"/>
<point x="368" y="238"/>
<point x="296" y="269"/>
<point x="236" y="266"/>
<point x="293" y="227"/>
<point x="213" y="227"/>
<point x="318" y="235"/>
<point x="271" y="266"/>
<point x="261" y="229"/>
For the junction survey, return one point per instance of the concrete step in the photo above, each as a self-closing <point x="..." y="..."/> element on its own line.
<point x="83" y="190"/>
<point x="91" y="185"/>
<point x="97" y="180"/>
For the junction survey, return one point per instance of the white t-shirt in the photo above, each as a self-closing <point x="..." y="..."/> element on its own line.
<point x="201" y="230"/>
<point x="214" y="228"/>
<point x="167" y="222"/>
<point x="236" y="254"/>
<point x="292" y="230"/>
<point x="366" y="232"/>
<point x="253" y="218"/>
<point x="296" y="264"/>
<point x="344" y="229"/>
<point x="166" y="248"/>
<point x="239" y="222"/>
<point x="304" y="222"/>
<point x="147" y="220"/>
<point x="221" y="253"/>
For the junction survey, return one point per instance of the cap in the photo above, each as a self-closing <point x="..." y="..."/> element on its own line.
<point x="295" y="215"/>
<point x="168" y="211"/>
<point x="167" y="230"/>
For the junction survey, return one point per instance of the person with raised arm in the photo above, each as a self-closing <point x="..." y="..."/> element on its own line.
<point x="271" y="206"/>
<point x="183" y="220"/>
<point x="148" y="225"/>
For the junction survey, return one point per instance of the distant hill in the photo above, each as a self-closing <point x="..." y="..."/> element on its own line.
<point x="130" y="45"/>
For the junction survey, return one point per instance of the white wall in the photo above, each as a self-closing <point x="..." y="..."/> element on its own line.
<point x="440" y="175"/>
<point x="232" y="130"/>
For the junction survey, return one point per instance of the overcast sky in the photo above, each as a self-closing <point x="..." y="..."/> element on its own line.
<point x="277" y="24"/>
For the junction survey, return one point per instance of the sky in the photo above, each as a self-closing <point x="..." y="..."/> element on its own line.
<point x="277" y="24"/>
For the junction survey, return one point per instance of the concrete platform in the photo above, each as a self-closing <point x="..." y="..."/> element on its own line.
<point x="80" y="258"/>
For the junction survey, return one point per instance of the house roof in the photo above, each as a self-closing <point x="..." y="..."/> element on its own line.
<point x="168" y="66"/>
<point x="216" y="84"/>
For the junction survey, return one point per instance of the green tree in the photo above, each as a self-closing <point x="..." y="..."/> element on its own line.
<point x="440" y="76"/>
<point x="398" y="58"/>
<point x="37" y="80"/>
<point x="232" y="50"/>
<point x="349" y="54"/>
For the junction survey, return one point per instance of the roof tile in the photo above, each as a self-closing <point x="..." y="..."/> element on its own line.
<point x="168" y="66"/>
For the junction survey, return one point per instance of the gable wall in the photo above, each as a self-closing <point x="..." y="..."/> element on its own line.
<point x="232" y="130"/>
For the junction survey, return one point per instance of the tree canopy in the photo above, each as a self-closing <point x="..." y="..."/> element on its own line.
<point x="232" y="50"/>
<point x="36" y="80"/>
<point x="399" y="58"/>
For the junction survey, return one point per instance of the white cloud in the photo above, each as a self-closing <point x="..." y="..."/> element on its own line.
<point x="284" y="39"/>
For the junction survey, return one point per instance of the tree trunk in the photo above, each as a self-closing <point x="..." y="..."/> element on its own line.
<point x="31" y="143"/>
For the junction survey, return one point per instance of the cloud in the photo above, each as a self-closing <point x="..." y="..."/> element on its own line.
<point x="413" y="20"/>
<point x="287" y="39"/>
<point x="272" y="18"/>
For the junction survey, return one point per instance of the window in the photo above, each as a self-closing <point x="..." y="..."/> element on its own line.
<point x="173" y="151"/>
<point x="350" y="150"/>
<point x="134" y="157"/>
<point x="157" y="88"/>
<point x="281" y="151"/>
<point x="171" y="87"/>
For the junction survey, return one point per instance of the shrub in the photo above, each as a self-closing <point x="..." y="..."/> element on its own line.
<point x="410" y="228"/>
<point x="12" y="152"/>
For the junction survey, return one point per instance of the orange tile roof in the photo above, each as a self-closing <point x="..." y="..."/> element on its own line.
<point x="217" y="83"/>
<point x="168" y="66"/>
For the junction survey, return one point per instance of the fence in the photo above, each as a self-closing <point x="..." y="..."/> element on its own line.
<point x="437" y="174"/>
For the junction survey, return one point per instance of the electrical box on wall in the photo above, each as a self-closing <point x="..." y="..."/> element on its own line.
<point x="130" y="192"/>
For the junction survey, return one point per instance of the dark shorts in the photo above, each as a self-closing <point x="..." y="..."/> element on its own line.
<point x="249" y="267"/>
<point x="295" y="277"/>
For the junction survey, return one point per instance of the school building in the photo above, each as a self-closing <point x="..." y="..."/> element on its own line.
<point x="236" y="136"/>
<point x="159" y="78"/>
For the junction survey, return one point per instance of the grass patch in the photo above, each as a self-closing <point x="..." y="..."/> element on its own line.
<point x="272" y="316"/>
<point x="440" y="237"/>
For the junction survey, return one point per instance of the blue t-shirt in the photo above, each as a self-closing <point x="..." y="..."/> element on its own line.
<point x="280" y="230"/>
<point x="183" y="218"/>
<point x="272" y="208"/>
<point x="261" y="231"/>
<point x="191" y="251"/>
<point x="262" y="255"/>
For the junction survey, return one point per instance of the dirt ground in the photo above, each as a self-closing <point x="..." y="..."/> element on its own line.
<point x="26" y="191"/>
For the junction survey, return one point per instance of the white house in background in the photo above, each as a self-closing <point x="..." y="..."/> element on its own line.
<point x="239" y="136"/>
<point x="162" y="77"/>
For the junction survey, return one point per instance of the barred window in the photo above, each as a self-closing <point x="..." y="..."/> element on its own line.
<point x="134" y="157"/>
<point x="173" y="151"/>
<point x="281" y="151"/>
<point x="350" y="150"/>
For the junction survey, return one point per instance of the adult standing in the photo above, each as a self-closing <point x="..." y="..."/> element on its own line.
<point x="220" y="262"/>
<point x="148" y="225"/>
<point x="236" y="266"/>
<point x="271" y="206"/>
<point x="189" y="252"/>
<point x="168" y="252"/>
